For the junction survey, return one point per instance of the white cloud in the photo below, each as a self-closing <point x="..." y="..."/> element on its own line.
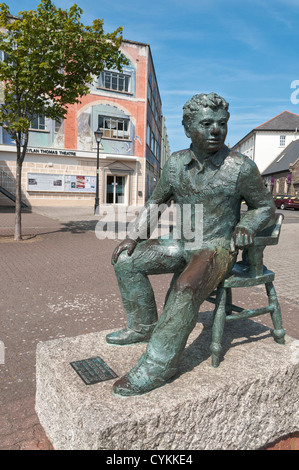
<point x="180" y="92"/>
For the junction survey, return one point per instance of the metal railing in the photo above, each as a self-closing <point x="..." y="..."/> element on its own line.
<point x="8" y="187"/>
<point x="8" y="182"/>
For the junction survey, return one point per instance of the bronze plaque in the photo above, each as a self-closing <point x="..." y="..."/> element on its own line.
<point x="93" y="370"/>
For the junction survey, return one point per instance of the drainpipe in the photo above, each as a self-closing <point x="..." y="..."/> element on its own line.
<point x="136" y="191"/>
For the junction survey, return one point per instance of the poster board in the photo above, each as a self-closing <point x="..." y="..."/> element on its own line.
<point x="61" y="183"/>
<point x="81" y="184"/>
<point x="45" y="182"/>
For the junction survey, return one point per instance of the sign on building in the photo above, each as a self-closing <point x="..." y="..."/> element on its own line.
<point x="61" y="183"/>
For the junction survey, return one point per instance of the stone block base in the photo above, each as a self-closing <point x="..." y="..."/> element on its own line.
<point x="249" y="401"/>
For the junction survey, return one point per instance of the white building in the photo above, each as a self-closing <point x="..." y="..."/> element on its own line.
<point x="268" y="140"/>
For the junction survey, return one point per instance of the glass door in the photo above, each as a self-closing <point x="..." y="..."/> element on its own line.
<point x="115" y="192"/>
<point x="110" y="189"/>
<point x="119" y="189"/>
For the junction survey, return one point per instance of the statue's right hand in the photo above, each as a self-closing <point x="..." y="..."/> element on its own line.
<point x="127" y="244"/>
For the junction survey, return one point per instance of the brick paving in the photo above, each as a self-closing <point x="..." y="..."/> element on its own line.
<point x="59" y="282"/>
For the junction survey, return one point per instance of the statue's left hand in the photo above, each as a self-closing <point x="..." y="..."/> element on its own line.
<point x="243" y="237"/>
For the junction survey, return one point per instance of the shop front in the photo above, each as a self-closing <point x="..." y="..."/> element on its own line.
<point x="68" y="178"/>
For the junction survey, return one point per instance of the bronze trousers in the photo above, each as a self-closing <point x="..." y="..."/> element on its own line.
<point x="196" y="275"/>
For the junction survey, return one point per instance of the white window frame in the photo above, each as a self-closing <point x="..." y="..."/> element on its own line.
<point x="282" y="141"/>
<point x="114" y="79"/>
<point x="38" y="124"/>
<point x="114" y="127"/>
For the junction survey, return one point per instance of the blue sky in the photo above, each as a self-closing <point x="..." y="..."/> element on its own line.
<point x="246" y="51"/>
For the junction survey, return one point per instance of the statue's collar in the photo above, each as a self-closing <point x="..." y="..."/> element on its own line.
<point x="216" y="160"/>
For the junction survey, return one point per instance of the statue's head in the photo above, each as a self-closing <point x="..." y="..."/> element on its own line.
<point x="205" y="119"/>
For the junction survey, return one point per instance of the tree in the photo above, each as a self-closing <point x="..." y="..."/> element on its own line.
<point x="49" y="61"/>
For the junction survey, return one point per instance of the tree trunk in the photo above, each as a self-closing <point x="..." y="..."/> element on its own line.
<point x="18" y="218"/>
<point x="21" y="152"/>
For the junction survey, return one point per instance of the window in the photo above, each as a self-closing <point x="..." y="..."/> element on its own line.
<point x="114" y="128"/>
<point x="57" y="126"/>
<point x="282" y="141"/>
<point x="115" y="81"/>
<point x="39" y="122"/>
<point x="280" y="158"/>
<point x="148" y="136"/>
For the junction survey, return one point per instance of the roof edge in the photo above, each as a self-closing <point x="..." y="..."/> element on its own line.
<point x="135" y="42"/>
<point x="280" y="157"/>
<point x="269" y="120"/>
<point x="243" y="139"/>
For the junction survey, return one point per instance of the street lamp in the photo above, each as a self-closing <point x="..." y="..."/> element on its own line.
<point x="98" y="136"/>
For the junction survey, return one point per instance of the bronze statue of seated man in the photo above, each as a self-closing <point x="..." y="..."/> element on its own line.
<point x="207" y="174"/>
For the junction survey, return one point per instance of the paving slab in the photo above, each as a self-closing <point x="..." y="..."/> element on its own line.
<point x="60" y="283"/>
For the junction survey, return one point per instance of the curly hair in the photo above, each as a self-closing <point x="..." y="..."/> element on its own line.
<point x="211" y="100"/>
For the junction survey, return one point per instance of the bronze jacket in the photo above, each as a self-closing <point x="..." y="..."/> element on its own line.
<point x="208" y="196"/>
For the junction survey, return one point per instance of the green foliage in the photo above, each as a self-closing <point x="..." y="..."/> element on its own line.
<point x="50" y="60"/>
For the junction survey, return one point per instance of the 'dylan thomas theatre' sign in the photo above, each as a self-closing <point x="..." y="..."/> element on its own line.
<point x="68" y="153"/>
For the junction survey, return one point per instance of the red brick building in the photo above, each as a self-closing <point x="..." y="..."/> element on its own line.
<point x="60" y="165"/>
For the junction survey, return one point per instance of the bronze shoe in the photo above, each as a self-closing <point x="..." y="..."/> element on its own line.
<point x="143" y="378"/>
<point x="127" y="336"/>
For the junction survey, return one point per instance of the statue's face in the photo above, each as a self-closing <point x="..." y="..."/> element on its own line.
<point x="208" y="130"/>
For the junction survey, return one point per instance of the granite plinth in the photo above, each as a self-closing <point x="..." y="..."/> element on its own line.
<point x="250" y="400"/>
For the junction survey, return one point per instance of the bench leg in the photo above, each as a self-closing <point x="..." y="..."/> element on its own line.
<point x="229" y="301"/>
<point x="278" y="332"/>
<point x="218" y="326"/>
